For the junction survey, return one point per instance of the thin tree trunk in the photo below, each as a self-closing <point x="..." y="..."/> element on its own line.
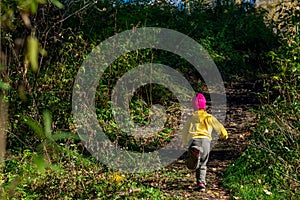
<point x="3" y="126"/>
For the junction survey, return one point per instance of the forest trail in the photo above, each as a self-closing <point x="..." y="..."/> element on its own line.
<point x="178" y="181"/>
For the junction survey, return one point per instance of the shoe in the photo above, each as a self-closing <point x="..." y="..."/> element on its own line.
<point x="201" y="187"/>
<point x="193" y="158"/>
<point x="196" y="152"/>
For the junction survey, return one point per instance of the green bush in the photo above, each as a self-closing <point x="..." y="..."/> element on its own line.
<point x="269" y="169"/>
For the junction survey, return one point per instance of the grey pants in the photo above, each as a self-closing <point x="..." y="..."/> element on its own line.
<point x="204" y="143"/>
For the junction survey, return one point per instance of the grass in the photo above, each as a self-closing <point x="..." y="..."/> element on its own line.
<point x="269" y="168"/>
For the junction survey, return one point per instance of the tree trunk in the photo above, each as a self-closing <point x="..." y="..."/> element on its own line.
<point x="3" y="126"/>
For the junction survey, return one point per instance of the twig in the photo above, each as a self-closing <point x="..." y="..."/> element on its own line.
<point x="19" y="139"/>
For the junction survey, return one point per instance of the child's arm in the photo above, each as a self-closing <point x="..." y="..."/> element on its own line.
<point x="185" y="132"/>
<point x="219" y="127"/>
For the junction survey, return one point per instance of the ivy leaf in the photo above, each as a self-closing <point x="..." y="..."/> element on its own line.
<point x="47" y="124"/>
<point x="4" y="86"/>
<point x="40" y="163"/>
<point x="57" y="3"/>
<point x="30" y="5"/>
<point x="35" y="126"/>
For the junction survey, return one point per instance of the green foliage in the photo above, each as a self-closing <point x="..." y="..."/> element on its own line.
<point x="4" y="86"/>
<point x="57" y="3"/>
<point x="227" y="38"/>
<point x="70" y="176"/>
<point x="57" y="167"/>
<point x="48" y="147"/>
<point x="271" y="160"/>
<point x="269" y="169"/>
<point x="33" y="50"/>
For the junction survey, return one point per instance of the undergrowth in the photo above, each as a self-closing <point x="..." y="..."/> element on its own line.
<point x="269" y="168"/>
<point x="69" y="176"/>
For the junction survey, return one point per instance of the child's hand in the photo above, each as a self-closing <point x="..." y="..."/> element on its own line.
<point x="225" y="136"/>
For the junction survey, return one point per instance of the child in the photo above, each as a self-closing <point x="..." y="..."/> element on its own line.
<point x="197" y="133"/>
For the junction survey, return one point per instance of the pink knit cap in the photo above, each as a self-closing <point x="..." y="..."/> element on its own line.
<point x="199" y="102"/>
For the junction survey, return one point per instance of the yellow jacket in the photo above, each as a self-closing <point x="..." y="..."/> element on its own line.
<point x="200" y="125"/>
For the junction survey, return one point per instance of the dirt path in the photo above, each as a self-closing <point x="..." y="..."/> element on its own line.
<point x="178" y="181"/>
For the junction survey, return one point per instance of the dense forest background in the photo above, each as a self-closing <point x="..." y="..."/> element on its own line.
<point x="43" y="44"/>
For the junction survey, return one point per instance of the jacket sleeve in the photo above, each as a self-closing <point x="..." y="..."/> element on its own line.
<point x="219" y="128"/>
<point x="185" y="133"/>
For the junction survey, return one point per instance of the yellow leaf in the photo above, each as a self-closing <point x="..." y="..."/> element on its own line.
<point x="43" y="52"/>
<point x="32" y="52"/>
<point x="115" y="177"/>
<point x="217" y="193"/>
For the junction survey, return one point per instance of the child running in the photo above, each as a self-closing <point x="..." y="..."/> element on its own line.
<point x="197" y="134"/>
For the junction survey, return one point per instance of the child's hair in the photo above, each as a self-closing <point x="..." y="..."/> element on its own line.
<point x="199" y="102"/>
